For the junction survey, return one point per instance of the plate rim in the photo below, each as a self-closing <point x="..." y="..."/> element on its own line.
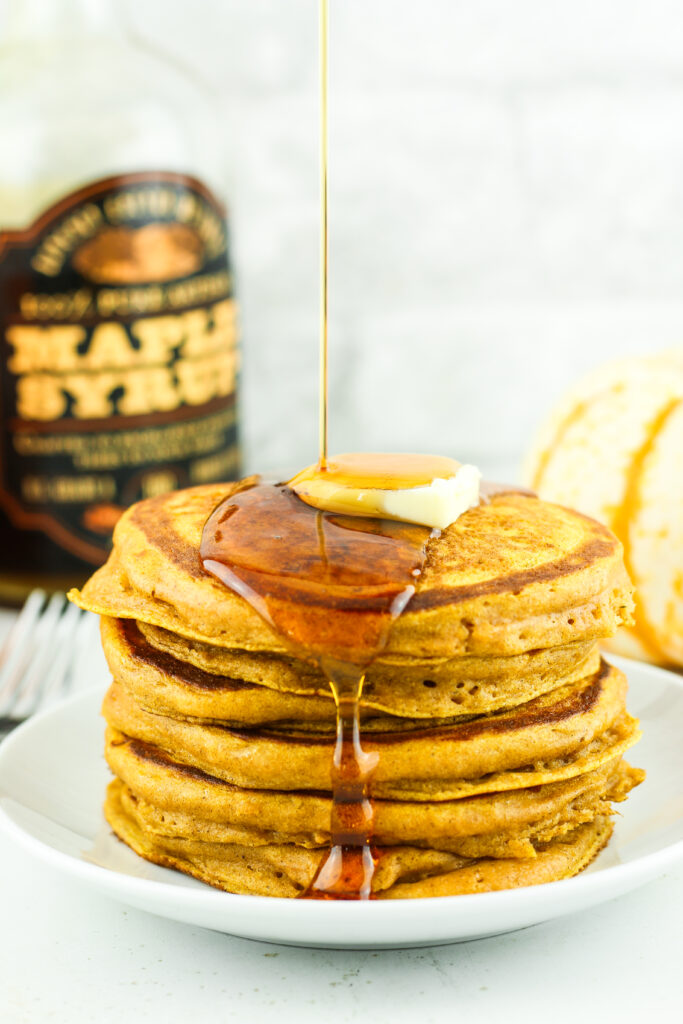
<point x="647" y="866"/>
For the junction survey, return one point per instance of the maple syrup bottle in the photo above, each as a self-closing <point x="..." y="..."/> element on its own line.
<point x="118" y="343"/>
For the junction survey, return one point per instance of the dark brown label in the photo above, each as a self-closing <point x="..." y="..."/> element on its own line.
<point x="118" y="356"/>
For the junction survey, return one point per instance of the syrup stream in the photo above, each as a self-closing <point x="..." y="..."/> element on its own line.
<point x="324" y="243"/>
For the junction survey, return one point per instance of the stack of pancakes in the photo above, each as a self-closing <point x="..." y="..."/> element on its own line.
<point x="499" y="729"/>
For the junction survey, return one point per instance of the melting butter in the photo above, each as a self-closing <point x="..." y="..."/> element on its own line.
<point x="431" y="490"/>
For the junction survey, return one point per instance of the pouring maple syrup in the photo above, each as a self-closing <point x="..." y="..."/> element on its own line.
<point x="332" y="583"/>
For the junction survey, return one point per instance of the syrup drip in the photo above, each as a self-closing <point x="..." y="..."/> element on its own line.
<point x="332" y="586"/>
<point x="347" y="871"/>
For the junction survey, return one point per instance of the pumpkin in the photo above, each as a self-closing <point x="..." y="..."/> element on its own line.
<point x="613" y="448"/>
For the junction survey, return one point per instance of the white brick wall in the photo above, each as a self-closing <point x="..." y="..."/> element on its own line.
<point x="506" y="207"/>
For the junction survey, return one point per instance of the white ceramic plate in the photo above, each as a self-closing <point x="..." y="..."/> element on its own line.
<point x="52" y="779"/>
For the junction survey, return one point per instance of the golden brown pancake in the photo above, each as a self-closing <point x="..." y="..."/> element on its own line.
<point x="303" y="817"/>
<point x="562" y="858"/>
<point x="542" y="739"/>
<point x="287" y="870"/>
<point x="492" y="833"/>
<point x="440" y="688"/>
<point x="507" y="577"/>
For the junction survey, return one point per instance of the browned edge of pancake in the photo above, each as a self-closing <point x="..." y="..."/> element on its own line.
<point x="538" y="712"/>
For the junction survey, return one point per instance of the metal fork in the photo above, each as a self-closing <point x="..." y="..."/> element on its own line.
<point x="38" y="656"/>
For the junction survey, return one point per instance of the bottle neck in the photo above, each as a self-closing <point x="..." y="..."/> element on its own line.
<point x="32" y="20"/>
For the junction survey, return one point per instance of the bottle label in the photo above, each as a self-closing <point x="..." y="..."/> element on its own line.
<point x="118" y="355"/>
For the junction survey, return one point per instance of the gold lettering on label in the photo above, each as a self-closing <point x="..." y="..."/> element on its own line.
<point x="155" y="365"/>
<point x="157" y="203"/>
<point x="135" y="299"/>
<point x="82" y="224"/>
<point x="121" y="301"/>
<point x="148" y="389"/>
<point x="200" y="336"/>
<point x="201" y="380"/>
<point x="59" y="306"/>
<point x="109" y="348"/>
<point x="67" y="489"/>
<point x="43" y="396"/>
<point x="111" y="449"/>
<point x="165" y="204"/>
<point x="162" y="204"/>
<point x="206" y="288"/>
<point x="44" y="348"/>
<point x="39" y="399"/>
<point x="187" y="207"/>
<point x="159" y="336"/>
<point x="90" y="393"/>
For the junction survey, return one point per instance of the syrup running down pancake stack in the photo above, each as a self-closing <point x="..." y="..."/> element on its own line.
<point x="492" y="731"/>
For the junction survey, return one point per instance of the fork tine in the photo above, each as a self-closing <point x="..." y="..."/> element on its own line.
<point x="66" y="653"/>
<point x="28" y="691"/>
<point x="23" y="623"/>
<point x="18" y="650"/>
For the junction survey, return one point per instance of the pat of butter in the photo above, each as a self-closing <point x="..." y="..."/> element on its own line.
<point x="430" y="490"/>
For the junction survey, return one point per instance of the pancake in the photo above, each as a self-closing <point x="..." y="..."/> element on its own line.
<point x="511" y="843"/>
<point x="560" y="809"/>
<point x="162" y="684"/>
<point x="438" y="688"/>
<point x="540" y="740"/>
<point x="287" y="870"/>
<point x="562" y="858"/>
<point x="175" y="789"/>
<point x="509" y="576"/>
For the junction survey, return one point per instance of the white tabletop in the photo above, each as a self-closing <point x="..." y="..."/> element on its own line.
<point x="69" y="955"/>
